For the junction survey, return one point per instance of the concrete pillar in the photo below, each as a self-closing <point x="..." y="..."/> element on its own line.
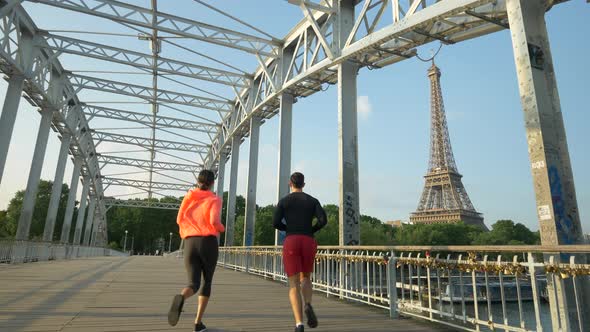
<point x="56" y="190"/>
<point x="65" y="229"/>
<point x="26" y="216"/>
<point x="557" y="207"/>
<point x="81" y="212"/>
<point x="250" y="219"/>
<point x="89" y="221"/>
<point x="231" y="197"/>
<point x="8" y="117"/>
<point x="285" y="138"/>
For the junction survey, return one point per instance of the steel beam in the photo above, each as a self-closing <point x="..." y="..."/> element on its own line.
<point x="221" y="175"/>
<point x="57" y="188"/>
<point x="250" y="219"/>
<point x="142" y="204"/>
<point x="285" y="138"/>
<point x="557" y="207"/>
<point x="349" y="216"/>
<point x="66" y="226"/>
<point x="80" y="82"/>
<point x="26" y="215"/>
<point x="143" y="142"/>
<point x="139" y="16"/>
<point x="8" y="117"/>
<point x="147" y="119"/>
<point x="231" y="197"/>
<point x="89" y="221"/>
<point x="145" y="164"/>
<point x="140" y="184"/>
<point x="62" y="44"/>
<point x="81" y="213"/>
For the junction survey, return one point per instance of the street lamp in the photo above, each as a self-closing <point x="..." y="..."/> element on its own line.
<point x="125" y="243"/>
<point x="170" y="243"/>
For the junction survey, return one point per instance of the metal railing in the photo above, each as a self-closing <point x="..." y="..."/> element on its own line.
<point x="13" y="251"/>
<point x="510" y="288"/>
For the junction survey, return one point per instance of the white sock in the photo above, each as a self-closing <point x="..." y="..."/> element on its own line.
<point x="298" y="324"/>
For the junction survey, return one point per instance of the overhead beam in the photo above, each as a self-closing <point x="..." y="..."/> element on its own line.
<point x="141" y="204"/>
<point x="145" y="164"/>
<point x="146" y="143"/>
<point x="147" y="119"/>
<point x="142" y="17"/>
<point x="145" y="185"/>
<point x="84" y="48"/>
<point x="80" y="82"/>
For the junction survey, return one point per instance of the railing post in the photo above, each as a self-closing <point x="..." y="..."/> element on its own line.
<point x="392" y="285"/>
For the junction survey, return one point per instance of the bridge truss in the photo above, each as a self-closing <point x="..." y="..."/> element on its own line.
<point x="217" y="103"/>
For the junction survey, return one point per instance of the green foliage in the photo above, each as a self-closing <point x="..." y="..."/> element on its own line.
<point x="9" y="222"/>
<point x="507" y="232"/>
<point x="437" y="234"/>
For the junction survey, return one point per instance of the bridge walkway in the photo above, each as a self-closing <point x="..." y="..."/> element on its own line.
<point x="134" y="293"/>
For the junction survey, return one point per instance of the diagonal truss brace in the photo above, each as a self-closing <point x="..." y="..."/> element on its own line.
<point x="147" y="119"/>
<point x="146" y="164"/>
<point x="139" y="16"/>
<point x="146" y="143"/>
<point x="145" y="185"/>
<point x="141" y="60"/>
<point x="86" y="82"/>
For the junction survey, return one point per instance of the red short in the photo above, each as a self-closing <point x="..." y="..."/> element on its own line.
<point x="299" y="254"/>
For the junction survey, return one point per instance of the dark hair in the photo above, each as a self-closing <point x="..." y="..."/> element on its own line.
<point x="298" y="180"/>
<point x="205" y="179"/>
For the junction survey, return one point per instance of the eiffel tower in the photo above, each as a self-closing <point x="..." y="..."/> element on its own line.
<point x="444" y="199"/>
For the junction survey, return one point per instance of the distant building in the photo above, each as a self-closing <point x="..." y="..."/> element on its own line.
<point x="395" y="223"/>
<point x="587" y="238"/>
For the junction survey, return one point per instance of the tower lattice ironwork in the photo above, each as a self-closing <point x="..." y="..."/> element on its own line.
<point x="444" y="199"/>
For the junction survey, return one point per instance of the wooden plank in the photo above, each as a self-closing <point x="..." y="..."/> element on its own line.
<point x="134" y="294"/>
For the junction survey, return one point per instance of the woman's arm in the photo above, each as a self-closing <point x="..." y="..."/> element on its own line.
<point x="215" y="215"/>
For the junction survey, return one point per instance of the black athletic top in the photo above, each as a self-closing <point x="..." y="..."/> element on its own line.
<point x="298" y="209"/>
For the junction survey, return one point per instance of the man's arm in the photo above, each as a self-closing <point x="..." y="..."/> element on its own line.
<point x="277" y="219"/>
<point x="320" y="214"/>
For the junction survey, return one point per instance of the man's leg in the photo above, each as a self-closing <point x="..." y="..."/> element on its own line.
<point x="295" y="298"/>
<point x="306" y="286"/>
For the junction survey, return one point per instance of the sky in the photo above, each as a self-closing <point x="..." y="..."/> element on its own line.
<point x="480" y="93"/>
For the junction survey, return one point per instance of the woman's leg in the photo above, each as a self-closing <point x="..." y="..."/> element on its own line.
<point x="193" y="265"/>
<point x="306" y="286"/>
<point x="208" y="252"/>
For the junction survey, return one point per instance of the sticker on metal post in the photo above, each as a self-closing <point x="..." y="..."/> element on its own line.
<point x="544" y="212"/>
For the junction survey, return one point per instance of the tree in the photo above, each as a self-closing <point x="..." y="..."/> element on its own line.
<point x="507" y="232"/>
<point x="10" y="223"/>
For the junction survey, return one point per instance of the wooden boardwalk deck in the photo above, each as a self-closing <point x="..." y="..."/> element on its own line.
<point x="133" y="294"/>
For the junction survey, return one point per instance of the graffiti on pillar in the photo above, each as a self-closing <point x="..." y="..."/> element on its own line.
<point x="563" y="222"/>
<point x="350" y="220"/>
<point x="249" y="241"/>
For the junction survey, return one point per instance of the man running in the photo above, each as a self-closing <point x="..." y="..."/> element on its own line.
<point x="199" y="223"/>
<point x="299" y="249"/>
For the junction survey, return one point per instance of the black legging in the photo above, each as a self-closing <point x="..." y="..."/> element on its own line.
<point x="200" y="256"/>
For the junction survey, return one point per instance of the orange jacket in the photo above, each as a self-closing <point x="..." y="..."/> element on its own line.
<point x="199" y="214"/>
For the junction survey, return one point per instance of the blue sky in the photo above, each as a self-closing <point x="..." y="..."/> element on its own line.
<point x="481" y="99"/>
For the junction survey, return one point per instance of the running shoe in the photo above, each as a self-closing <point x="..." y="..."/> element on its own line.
<point x="175" y="309"/>
<point x="299" y="328"/>
<point x="312" y="320"/>
<point x="200" y="327"/>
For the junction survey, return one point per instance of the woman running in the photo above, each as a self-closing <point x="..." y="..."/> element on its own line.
<point x="199" y="223"/>
<point x="299" y="249"/>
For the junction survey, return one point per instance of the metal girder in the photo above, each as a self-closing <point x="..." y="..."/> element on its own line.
<point x="147" y="142"/>
<point x="393" y="43"/>
<point x="146" y="164"/>
<point x="145" y="185"/>
<point x="141" y="60"/>
<point x="86" y="82"/>
<point x="38" y="68"/>
<point x="139" y="16"/>
<point x="147" y="119"/>
<point x="109" y="202"/>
